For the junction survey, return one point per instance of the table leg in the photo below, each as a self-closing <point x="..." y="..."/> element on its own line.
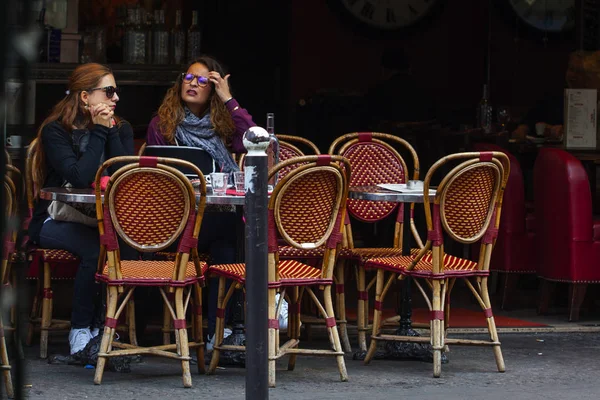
<point x="238" y="329"/>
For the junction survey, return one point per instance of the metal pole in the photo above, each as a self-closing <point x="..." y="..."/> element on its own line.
<point x="256" y="140"/>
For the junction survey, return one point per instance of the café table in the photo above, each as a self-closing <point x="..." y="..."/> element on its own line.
<point x="398" y="350"/>
<point x="237" y="337"/>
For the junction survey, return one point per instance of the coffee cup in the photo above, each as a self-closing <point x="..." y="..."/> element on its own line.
<point x="14" y="141"/>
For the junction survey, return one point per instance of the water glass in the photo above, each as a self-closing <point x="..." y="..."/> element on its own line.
<point x="240" y="181"/>
<point x="218" y="181"/>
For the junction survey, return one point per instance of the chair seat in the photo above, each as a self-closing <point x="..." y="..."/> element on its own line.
<point x="63" y="263"/>
<point x="290" y="252"/>
<point x="366" y="253"/>
<point x="55" y="255"/>
<point x="291" y="273"/>
<point x="453" y="266"/>
<point x="170" y="256"/>
<point x="152" y="273"/>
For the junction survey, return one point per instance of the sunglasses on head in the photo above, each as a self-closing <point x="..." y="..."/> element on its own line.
<point x="109" y="90"/>
<point x="188" y="78"/>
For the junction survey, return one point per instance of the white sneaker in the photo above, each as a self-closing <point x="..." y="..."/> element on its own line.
<point x="211" y="339"/>
<point x="79" y="338"/>
<point x="95" y="332"/>
<point x="283" y="313"/>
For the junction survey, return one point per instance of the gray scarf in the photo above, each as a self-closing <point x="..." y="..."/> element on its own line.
<point x="199" y="132"/>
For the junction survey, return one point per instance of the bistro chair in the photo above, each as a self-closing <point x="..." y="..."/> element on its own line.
<point x="306" y="209"/>
<point x="375" y="160"/>
<point x="512" y="255"/>
<point x="567" y="236"/>
<point x="149" y="204"/>
<point x="8" y="253"/>
<point x="466" y="208"/>
<point x="45" y="265"/>
<point x="289" y="147"/>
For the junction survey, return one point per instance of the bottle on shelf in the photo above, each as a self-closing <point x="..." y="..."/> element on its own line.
<point x="160" y="39"/>
<point x="272" y="150"/>
<point x="134" y="46"/>
<point x="484" y="111"/>
<point x="177" y="41"/>
<point x="194" y="37"/>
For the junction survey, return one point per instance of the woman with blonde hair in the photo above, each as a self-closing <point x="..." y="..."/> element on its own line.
<point x="199" y="111"/>
<point x="81" y="132"/>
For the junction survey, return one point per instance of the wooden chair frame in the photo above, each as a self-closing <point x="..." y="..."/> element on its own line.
<point x="120" y="291"/>
<point x="340" y="146"/>
<point x="41" y="311"/>
<point x="340" y="167"/>
<point x="439" y="281"/>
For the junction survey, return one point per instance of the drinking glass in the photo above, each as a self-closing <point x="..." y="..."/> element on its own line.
<point x="503" y="114"/>
<point x="218" y="181"/>
<point x="240" y="181"/>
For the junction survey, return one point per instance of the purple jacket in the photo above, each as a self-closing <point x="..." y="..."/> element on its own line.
<point x="241" y="119"/>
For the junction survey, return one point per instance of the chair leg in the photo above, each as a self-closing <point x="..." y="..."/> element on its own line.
<point x="492" y="325"/>
<point x="576" y="296"/>
<point x="5" y="363"/>
<point x="362" y="312"/>
<point x="35" y="312"/>
<point x="376" y="315"/>
<point x="181" y="332"/>
<point x="46" y="311"/>
<point x="437" y="328"/>
<point x="220" y="326"/>
<point x="508" y="287"/>
<point x="107" y="335"/>
<point x="293" y="324"/>
<point x="333" y="334"/>
<point x="131" y="322"/>
<point x="198" y="331"/>
<point x="273" y="348"/>
<point x="166" y="329"/>
<point x="546" y="290"/>
<point x="341" y="306"/>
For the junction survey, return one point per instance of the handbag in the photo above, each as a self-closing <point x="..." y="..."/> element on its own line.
<point x="75" y="212"/>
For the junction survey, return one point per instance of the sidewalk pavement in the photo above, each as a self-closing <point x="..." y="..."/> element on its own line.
<point x="538" y="366"/>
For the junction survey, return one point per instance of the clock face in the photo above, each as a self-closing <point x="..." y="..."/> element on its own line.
<point x="387" y="15"/>
<point x="546" y="15"/>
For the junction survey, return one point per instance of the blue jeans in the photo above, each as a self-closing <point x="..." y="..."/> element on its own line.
<point x="84" y="242"/>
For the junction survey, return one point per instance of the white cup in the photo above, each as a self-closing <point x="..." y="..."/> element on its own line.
<point x="14" y="141"/>
<point x="540" y="128"/>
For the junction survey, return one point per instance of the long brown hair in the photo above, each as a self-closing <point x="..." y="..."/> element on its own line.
<point x="69" y="111"/>
<point x="171" y="111"/>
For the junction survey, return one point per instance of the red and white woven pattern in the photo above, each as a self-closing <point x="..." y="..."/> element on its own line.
<point x="55" y="255"/>
<point x="453" y="266"/>
<point x="468" y="201"/>
<point x="152" y="273"/>
<point x="306" y="213"/>
<point x="372" y="163"/>
<point x="149" y="207"/>
<point x="364" y="254"/>
<point x="285" y="153"/>
<point x="291" y="273"/>
<point x="286" y="252"/>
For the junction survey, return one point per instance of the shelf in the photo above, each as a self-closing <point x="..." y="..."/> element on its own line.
<point x="125" y="74"/>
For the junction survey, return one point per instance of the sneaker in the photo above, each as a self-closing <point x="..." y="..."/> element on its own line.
<point x="95" y="332"/>
<point x="283" y="313"/>
<point x="79" y="338"/>
<point x="210" y="339"/>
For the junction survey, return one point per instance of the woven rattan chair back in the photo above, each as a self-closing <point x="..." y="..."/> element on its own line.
<point x="307" y="205"/>
<point x="468" y="199"/>
<point x="289" y="147"/>
<point x="10" y="196"/>
<point x="149" y="202"/>
<point x="374" y="160"/>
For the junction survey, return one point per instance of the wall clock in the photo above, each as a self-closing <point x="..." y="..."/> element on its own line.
<point x="552" y="16"/>
<point x="380" y="16"/>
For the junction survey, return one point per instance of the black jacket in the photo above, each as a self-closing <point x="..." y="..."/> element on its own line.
<point x="65" y="163"/>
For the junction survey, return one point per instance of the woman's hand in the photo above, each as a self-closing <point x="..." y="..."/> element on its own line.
<point x="221" y="85"/>
<point x="102" y="114"/>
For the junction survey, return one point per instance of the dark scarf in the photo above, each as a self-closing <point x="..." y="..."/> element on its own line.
<point x="199" y="132"/>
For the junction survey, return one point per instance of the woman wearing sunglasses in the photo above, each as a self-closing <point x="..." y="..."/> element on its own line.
<point x="199" y="111"/>
<point x="81" y="132"/>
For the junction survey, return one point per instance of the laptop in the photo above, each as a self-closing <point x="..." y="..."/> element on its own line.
<point x="198" y="157"/>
